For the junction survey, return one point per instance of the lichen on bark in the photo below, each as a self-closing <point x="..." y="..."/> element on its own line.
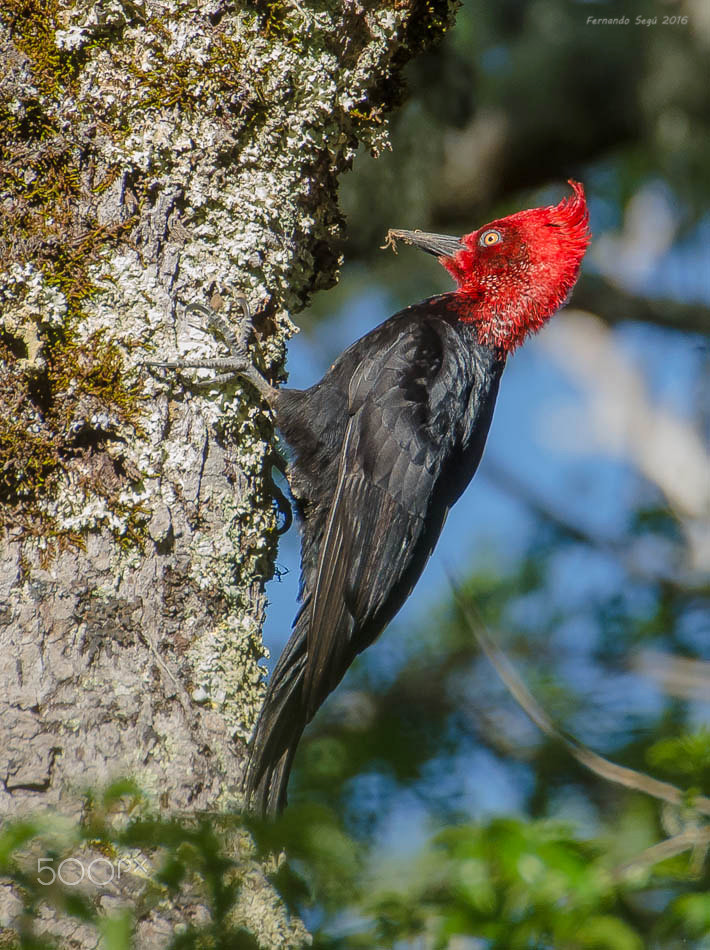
<point x="152" y="156"/>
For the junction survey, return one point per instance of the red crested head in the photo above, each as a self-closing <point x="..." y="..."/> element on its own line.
<point x="514" y="273"/>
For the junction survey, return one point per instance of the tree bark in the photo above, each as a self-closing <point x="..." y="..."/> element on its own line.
<point x="155" y="155"/>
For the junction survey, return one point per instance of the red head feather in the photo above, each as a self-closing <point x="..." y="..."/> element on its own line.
<point x="514" y="273"/>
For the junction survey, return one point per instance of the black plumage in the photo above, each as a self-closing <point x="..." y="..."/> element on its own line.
<point x="382" y="447"/>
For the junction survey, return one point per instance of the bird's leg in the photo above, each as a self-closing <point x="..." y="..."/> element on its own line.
<point x="236" y="364"/>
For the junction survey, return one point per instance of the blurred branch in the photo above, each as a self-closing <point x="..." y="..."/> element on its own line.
<point x="692" y="839"/>
<point x="614" y="305"/>
<point x="604" y="768"/>
<point x="625" y="420"/>
<point x="676" y="675"/>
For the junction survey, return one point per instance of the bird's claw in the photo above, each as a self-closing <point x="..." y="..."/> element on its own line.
<point x="216" y="321"/>
<point x="238" y="363"/>
<point x="282" y="504"/>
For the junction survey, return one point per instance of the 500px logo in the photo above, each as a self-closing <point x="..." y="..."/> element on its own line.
<point x="99" y="871"/>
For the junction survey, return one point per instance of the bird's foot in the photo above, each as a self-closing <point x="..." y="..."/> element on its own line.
<point x="238" y="364"/>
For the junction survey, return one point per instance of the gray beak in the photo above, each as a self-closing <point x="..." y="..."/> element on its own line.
<point x="440" y="245"/>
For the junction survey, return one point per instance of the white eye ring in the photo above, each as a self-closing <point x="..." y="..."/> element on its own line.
<point x="490" y="237"/>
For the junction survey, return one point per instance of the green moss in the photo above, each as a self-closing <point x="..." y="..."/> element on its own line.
<point x="170" y="79"/>
<point x="45" y="223"/>
<point x="51" y="391"/>
<point x="47" y="218"/>
<point x="60" y="420"/>
<point x="174" y="80"/>
<point x="276" y="24"/>
<point x="33" y="26"/>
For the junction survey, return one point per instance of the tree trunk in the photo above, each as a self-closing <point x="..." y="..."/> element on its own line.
<point x="155" y="155"/>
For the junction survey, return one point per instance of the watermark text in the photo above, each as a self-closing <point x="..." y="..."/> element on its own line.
<point x="99" y="871"/>
<point x="640" y="20"/>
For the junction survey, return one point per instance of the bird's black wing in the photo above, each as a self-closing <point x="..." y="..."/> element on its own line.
<point x="382" y="446"/>
<point x="410" y="415"/>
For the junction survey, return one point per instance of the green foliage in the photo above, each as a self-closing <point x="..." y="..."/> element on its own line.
<point x="508" y="881"/>
<point x="692" y="915"/>
<point x="317" y="844"/>
<point x="687" y="755"/>
<point x="185" y="862"/>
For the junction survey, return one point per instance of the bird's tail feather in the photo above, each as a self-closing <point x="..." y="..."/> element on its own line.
<point x="281" y="722"/>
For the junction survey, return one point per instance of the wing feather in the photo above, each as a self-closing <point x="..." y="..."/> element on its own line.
<point x="399" y="437"/>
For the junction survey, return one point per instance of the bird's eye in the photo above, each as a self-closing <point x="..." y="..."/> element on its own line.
<point x="489" y="238"/>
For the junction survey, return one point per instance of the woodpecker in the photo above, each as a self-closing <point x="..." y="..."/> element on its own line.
<point x="387" y="442"/>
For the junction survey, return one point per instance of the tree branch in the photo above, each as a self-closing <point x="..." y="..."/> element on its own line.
<point x="614" y="305"/>
<point x="604" y="768"/>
